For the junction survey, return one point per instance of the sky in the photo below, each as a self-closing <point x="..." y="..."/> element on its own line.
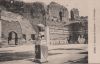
<point x="82" y="5"/>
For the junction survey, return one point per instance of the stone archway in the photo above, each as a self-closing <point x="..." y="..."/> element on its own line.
<point x="13" y="36"/>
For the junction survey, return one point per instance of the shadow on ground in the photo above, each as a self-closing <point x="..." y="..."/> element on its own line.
<point x="15" y="56"/>
<point x="19" y="56"/>
<point x="67" y="49"/>
<point x="78" y="61"/>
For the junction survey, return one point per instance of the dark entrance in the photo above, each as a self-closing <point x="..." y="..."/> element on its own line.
<point x="13" y="36"/>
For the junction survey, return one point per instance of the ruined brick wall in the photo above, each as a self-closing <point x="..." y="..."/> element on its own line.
<point x="74" y="14"/>
<point x="57" y="12"/>
<point x="8" y="27"/>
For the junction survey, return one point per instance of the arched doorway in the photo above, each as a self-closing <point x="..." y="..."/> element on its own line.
<point x="13" y="36"/>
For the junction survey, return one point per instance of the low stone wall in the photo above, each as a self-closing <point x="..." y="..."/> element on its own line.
<point x="58" y="42"/>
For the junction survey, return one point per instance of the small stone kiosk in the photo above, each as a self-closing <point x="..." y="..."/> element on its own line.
<point x="41" y="49"/>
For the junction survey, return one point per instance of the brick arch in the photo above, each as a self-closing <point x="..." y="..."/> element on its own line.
<point x="10" y="37"/>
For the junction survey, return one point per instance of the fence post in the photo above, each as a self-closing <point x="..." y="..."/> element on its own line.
<point x="0" y="25"/>
<point x="0" y="30"/>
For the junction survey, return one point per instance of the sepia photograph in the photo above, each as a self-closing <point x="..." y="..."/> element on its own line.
<point x="44" y="32"/>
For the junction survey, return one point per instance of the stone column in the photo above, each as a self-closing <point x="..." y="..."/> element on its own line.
<point x="47" y="35"/>
<point x="41" y="48"/>
<point x="44" y="45"/>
